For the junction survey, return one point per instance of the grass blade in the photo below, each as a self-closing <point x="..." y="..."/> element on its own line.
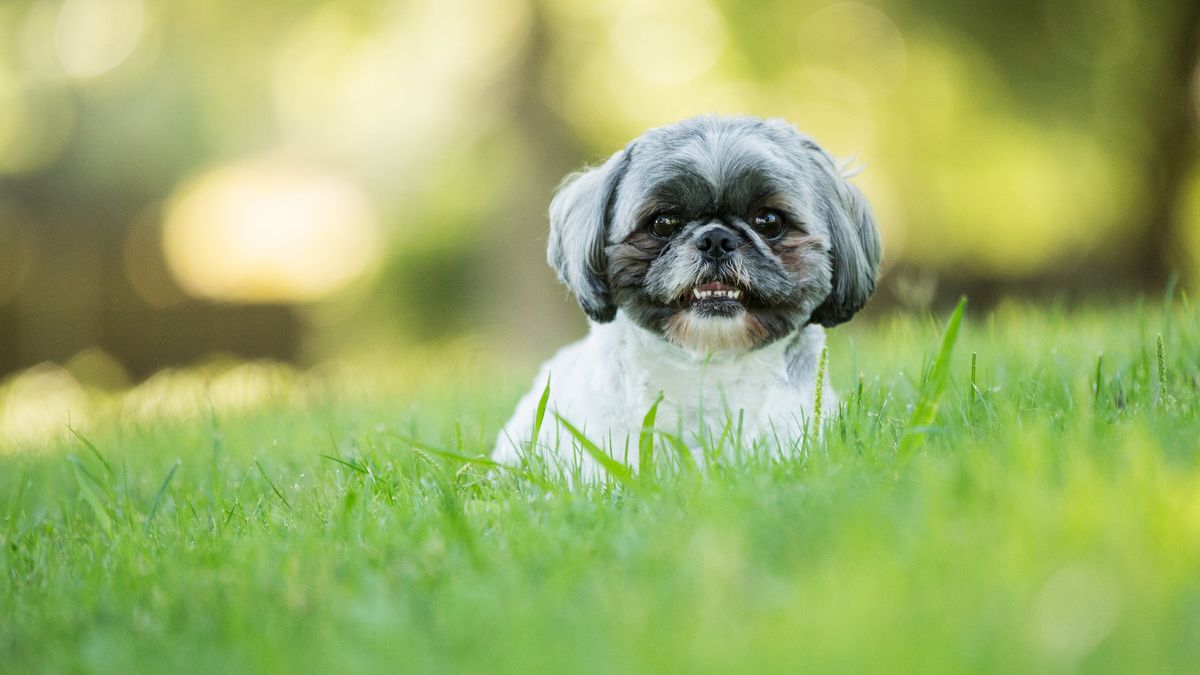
<point x="349" y="465"/>
<point x="646" y="438"/>
<point x="1161" y="361"/>
<point x="540" y="415"/>
<point x="974" y="387"/>
<point x="448" y="454"/>
<point x="91" y="446"/>
<point x="93" y="501"/>
<point x="272" y="484"/>
<point x="614" y="468"/>
<point x="158" y="497"/>
<point x="817" y="402"/>
<point x="14" y="505"/>
<point x="78" y="464"/>
<point x="925" y="411"/>
<point x="681" y="449"/>
<point x="480" y="459"/>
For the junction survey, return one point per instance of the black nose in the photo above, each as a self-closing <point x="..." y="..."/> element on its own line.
<point x="716" y="243"/>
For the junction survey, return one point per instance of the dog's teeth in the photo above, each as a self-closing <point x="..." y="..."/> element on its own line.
<point x="732" y="294"/>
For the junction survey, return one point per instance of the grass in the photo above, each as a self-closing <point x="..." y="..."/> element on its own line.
<point x="1044" y="515"/>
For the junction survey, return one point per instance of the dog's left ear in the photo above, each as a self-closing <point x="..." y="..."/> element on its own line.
<point x="579" y="224"/>
<point x="854" y="240"/>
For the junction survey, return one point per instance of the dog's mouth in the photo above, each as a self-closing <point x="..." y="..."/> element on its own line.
<point x="715" y="297"/>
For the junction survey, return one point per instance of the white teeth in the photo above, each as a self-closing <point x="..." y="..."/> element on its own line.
<point x="732" y="294"/>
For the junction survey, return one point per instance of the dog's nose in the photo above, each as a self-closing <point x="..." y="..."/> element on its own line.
<point x="717" y="242"/>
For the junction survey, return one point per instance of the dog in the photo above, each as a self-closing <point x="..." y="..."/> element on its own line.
<point x="709" y="256"/>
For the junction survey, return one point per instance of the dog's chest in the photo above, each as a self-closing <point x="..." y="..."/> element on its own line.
<point x="712" y="397"/>
<point x="606" y="383"/>
<point x="759" y="395"/>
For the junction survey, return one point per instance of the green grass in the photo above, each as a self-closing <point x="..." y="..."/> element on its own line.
<point x="1043" y="515"/>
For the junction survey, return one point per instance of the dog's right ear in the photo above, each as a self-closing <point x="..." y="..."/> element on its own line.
<point x="579" y="223"/>
<point x="854" y="240"/>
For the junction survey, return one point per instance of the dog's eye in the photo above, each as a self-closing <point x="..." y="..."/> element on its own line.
<point x="768" y="223"/>
<point x="665" y="225"/>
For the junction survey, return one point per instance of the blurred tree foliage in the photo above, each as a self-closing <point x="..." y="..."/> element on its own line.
<point x="1026" y="146"/>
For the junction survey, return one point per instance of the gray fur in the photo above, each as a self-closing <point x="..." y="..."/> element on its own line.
<point x="716" y="170"/>
<point x="579" y="222"/>
<point x="855" y="242"/>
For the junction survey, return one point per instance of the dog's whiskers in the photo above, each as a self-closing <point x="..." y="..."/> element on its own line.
<point x="738" y="273"/>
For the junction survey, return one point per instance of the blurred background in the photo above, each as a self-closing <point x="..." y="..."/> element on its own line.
<point x="306" y="179"/>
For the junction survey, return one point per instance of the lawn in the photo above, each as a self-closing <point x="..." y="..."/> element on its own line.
<point x="1044" y="517"/>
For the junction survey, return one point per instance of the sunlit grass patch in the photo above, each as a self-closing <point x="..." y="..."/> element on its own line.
<point x="258" y="518"/>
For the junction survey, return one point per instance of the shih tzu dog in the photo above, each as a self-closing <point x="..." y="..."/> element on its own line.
<point x="708" y="256"/>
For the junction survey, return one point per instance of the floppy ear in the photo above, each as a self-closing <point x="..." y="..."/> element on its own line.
<point x="579" y="220"/>
<point x="854" y="241"/>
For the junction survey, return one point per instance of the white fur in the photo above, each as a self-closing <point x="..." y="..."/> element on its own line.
<point x="605" y="383"/>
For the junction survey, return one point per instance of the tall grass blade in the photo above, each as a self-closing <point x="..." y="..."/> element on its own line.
<point x="646" y="438"/>
<point x="102" y="517"/>
<point x="92" y="447"/>
<point x="272" y="484"/>
<point x="817" y="402"/>
<point x="540" y="415"/>
<point x="349" y="465"/>
<point x="974" y="386"/>
<point x="681" y="450"/>
<point x="448" y="454"/>
<point x="162" y="489"/>
<point x="1161" y="360"/>
<point x="934" y="387"/>
<point x="78" y="464"/>
<point x="14" y="505"/>
<point x="479" y="459"/>
<point x="611" y="466"/>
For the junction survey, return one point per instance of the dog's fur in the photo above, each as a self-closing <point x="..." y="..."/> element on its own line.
<point x="753" y="357"/>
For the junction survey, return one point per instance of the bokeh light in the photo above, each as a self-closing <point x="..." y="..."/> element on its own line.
<point x="631" y="65"/>
<point x="393" y="91"/>
<point x="92" y="37"/>
<point x="269" y="231"/>
<point x="1015" y="198"/>
<point x="1073" y="611"/>
<point x="39" y="404"/>
<point x="667" y="43"/>
<point x="96" y="369"/>
<point x="853" y="52"/>
<point x="36" y="125"/>
<point x="217" y="386"/>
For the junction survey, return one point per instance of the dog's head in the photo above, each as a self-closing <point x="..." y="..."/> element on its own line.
<point x="717" y="233"/>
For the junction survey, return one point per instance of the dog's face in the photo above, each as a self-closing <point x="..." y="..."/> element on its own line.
<point x="718" y="234"/>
